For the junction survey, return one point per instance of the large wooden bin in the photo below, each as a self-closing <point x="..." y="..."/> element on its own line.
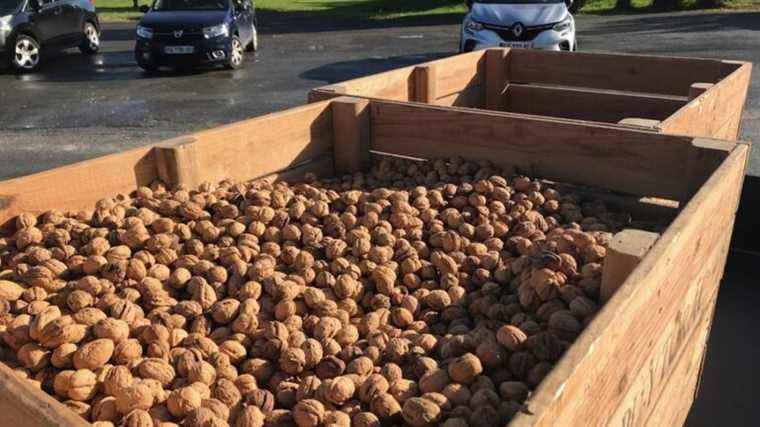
<point x="699" y="97"/>
<point x="639" y="360"/>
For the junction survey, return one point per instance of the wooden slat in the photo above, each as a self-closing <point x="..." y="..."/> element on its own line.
<point x="78" y="186"/>
<point x="459" y="72"/>
<point x="619" y="342"/>
<point x="324" y="93"/>
<point x="716" y="113"/>
<point x="425" y="83"/>
<point x="472" y="97"/>
<point x="638" y="73"/>
<point x="395" y="84"/>
<point x="624" y="252"/>
<point x="21" y="404"/>
<point x="588" y="104"/>
<point x="351" y="124"/>
<point x="256" y="147"/>
<point x="496" y="78"/>
<point x="629" y="161"/>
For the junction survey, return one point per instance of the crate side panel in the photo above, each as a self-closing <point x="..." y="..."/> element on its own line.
<point x="457" y="73"/>
<point x="588" y="104"/>
<point x="395" y="84"/>
<point x="717" y="112"/>
<point x="78" y="186"/>
<point x="616" y="346"/>
<point x="472" y="97"/>
<point x="651" y="74"/>
<point x="261" y="146"/>
<point x="634" y="162"/>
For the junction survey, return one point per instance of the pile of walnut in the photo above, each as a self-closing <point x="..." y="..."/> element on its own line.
<point x="420" y="294"/>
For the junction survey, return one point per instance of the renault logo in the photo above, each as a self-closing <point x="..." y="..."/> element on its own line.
<point x="178" y="34"/>
<point x="518" y="29"/>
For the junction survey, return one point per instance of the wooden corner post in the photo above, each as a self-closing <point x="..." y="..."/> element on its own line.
<point x="351" y="122"/>
<point x="624" y="253"/>
<point x="176" y="161"/>
<point x="425" y="83"/>
<point x="496" y="78"/>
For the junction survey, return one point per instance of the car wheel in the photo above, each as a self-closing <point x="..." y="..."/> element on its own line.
<point x="235" y="60"/>
<point x="25" y="55"/>
<point x="91" y="42"/>
<point x="254" y="44"/>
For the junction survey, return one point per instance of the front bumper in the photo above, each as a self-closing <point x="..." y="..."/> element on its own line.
<point x="546" y="40"/>
<point x="205" y="51"/>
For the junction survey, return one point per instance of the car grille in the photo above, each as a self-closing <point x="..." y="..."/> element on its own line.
<point x="187" y="35"/>
<point x="528" y="34"/>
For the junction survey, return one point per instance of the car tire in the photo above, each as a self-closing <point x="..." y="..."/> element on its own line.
<point x="235" y="60"/>
<point x="91" y="42"/>
<point x="25" y="54"/>
<point x="253" y="46"/>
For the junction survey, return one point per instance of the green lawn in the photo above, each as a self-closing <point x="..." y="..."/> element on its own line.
<point x="115" y="10"/>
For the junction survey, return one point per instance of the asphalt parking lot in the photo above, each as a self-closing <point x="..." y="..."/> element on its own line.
<point x="78" y="108"/>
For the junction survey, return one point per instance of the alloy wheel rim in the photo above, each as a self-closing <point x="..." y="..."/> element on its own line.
<point x="237" y="52"/>
<point x="92" y="36"/>
<point x="27" y="55"/>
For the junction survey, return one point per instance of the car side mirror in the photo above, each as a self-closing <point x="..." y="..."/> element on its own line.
<point x="144" y="9"/>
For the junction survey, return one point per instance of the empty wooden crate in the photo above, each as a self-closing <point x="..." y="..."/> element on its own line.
<point x="699" y="97"/>
<point x="638" y="362"/>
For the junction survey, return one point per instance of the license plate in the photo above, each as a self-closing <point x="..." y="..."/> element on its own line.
<point x="517" y="45"/>
<point x="179" y="50"/>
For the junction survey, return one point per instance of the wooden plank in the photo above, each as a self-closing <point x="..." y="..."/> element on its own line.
<point x="697" y="89"/>
<point x="628" y="161"/>
<point x="426" y="83"/>
<point x="324" y="93"/>
<point x="78" y="186"/>
<point x="21" y="404"/>
<point x="717" y="112"/>
<point x="395" y="84"/>
<point x="618" y="342"/>
<point x="706" y="157"/>
<point x="351" y="124"/>
<point x="589" y="104"/>
<point x="256" y="147"/>
<point x="637" y="73"/>
<point x="320" y="167"/>
<point x="459" y="72"/>
<point x="641" y="123"/>
<point x="472" y="97"/>
<point x="496" y="78"/>
<point x="625" y="251"/>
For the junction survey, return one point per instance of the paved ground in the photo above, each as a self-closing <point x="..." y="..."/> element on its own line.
<point x="78" y="108"/>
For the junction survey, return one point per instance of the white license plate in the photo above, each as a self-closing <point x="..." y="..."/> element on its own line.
<point x="517" y="45"/>
<point x="179" y="50"/>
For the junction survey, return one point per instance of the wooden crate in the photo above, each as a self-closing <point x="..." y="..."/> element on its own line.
<point x="699" y="97"/>
<point x="639" y="360"/>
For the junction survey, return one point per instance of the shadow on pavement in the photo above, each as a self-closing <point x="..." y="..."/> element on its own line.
<point x="346" y="70"/>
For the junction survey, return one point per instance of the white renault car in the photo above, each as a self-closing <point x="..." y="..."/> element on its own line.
<point x="530" y="24"/>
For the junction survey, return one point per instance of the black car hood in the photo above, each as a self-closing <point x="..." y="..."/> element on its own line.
<point x="184" y="20"/>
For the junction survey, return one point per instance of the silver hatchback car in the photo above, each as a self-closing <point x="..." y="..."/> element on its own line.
<point x="530" y="24"/>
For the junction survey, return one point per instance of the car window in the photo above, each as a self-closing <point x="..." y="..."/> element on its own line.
<point x="169" y="5"/>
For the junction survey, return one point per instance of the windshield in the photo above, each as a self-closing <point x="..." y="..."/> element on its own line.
<point x="519" y="1"/>
<point x="8" y="6"/>
<point x="166" y="5"/>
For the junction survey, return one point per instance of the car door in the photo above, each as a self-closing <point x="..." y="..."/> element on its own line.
<point x="72" y="21"/>
<point x="46" y="16"/>
<point x="244" y="20"/>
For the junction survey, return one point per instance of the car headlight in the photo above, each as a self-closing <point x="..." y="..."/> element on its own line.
<point x="5" y="23"/>
<point x="564" y="25"/>
<point x="216" y="31"/>
<point x="474" y="26"/>
<point x="144" y="32"/>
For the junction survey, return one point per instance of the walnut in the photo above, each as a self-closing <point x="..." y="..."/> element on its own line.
<point x="137" y="418"/>
<point x="419" y="412"/>
<point x="250" y="416"/>
<point x="82" y="385"/>
<point x="339" y="390"/>
<point x="465" y="368"/>
<point x="365" y="419"/>
<point x="182" y="401"/>
<point x="135" y="396"/>
<point x="93" y="354"/>
<point x="117" y="378"/>
<point x="511" y="337"/>
<point x="308" y="413"/>
<point x="10" y="291"/>
<point x="385" y="406"/>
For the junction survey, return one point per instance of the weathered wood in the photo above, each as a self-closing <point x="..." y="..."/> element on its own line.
<point x="640" y="123"/>
<point x="624" y="160"/>
<point x="619" y="342"/>
<point x="459" y="72"/>
<point x="625" y="251"/>
<point x="697" y="89"/>
<point x="496" y="78"/>
<point x="78" y="186"/>
<point x="351" y="122"/>
<point x="636" y="73"/>
<point x="472" y="97"/>
<point x="21" y="404"/>
<point x="256" y="147"/>
<point x="716" y="113"/>
<point x="588" y="104"/>
<point x="706" y="156"/>
<point x="426" y="83"/>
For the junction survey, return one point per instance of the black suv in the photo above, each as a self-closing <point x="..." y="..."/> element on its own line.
<point x="176" y="33"/>
<point x="28" y="26"/>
